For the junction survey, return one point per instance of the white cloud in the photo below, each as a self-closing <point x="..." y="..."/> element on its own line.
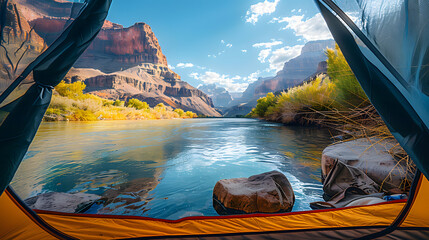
<point x="293" y="10"/>
<point x="311" y="29"/>
<point x="229" y="45"/>
<point x="171" y="67"/>
<point x="244" y="50"/>
<point x="229" y="83"/>
<point x="299" y="10"/>
<point x="263" y="54"/>
<point x="252" y="77"/>
<point x="194" y="75"/>
<point x="280" y="56"/>
<point x="267" y="44"/>
<point x="185" y="65"/>
<point x="259" y="9"/>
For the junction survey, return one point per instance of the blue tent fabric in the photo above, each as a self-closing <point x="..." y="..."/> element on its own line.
<point x="20" y="118"/>
<point x="388" y="52"/>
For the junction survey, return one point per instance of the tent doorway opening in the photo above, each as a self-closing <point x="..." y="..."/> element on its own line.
<point x="152" y="122"/>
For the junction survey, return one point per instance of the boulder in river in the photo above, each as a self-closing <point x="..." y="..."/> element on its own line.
<point x="268" y="192"/>
<point x="371" y="155"/>
<point x="60" y="202"/>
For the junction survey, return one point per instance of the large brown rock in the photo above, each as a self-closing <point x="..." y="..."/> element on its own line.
<point x="268" y="192"/>
<point x="374" y="156"/>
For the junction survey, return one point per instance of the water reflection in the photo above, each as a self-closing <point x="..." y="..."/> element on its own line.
<point x="167" y="169"/>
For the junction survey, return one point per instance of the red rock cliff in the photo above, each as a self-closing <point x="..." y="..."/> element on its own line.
<point x="117" y="47"/>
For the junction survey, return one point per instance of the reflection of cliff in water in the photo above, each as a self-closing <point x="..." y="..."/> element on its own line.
<point x="98" y="156"/>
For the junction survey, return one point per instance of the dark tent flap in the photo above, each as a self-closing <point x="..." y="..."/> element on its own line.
<point x="21" y="38"/>
<point x="386" y="45"/>
<point x="24" y="102"/>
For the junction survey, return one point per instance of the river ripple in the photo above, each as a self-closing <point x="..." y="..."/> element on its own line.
<point x="177" y="162"/>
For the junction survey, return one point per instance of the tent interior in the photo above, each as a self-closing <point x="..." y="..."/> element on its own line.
<point x="386" y="44"/>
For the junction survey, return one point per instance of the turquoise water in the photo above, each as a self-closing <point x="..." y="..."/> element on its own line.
<point x="168" y="167"/>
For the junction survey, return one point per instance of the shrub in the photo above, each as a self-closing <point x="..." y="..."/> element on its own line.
<point x="317" y="95"/>
<point x="179" y="111"/>
<point x="160" y="108"/>
<point x="107" y="103"/>
<point x="82" y="115"/>
<point x="118" y="103"/>
<point x="190" y="114"/>
<point x="70" y="90"/>
<point x="263" y="104"/>
<point x="349" y="92"/>
<point x="137" y="104"/>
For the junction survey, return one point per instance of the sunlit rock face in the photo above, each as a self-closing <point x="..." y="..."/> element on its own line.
<point x="152" y="83"/>
<point x="117" y="48"/>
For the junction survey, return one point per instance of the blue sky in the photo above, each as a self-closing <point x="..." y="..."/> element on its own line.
<point x="227" y="42"/>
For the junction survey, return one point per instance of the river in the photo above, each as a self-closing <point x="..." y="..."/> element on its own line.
<point x="177" y="162"/>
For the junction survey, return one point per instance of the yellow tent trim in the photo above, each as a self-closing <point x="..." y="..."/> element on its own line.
<point x="418" y="215"/>
<point x="108" y="228"/>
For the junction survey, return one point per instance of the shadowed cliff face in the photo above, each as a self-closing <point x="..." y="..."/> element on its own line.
<point x="220" y="96"/>
<point x="33" y="9"/>
<point x="296" y="70"/>
<point x="20" y="45"/>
